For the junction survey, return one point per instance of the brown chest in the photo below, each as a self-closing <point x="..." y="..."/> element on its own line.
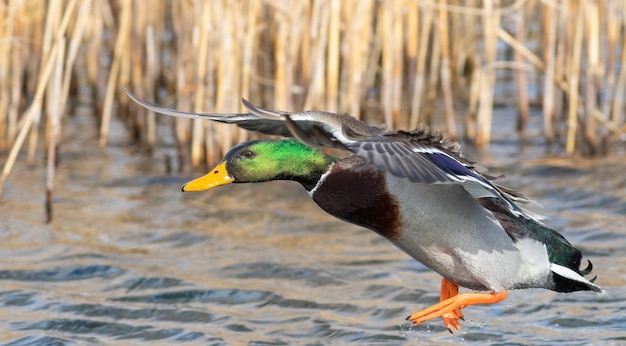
<point x="361" y="197"/>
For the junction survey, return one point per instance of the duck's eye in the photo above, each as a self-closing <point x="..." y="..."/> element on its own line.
<point x="248" y="154"/>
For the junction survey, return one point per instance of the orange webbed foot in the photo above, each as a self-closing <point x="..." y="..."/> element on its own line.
<point x="451" y="319"/>
<point x="449" y="308"/>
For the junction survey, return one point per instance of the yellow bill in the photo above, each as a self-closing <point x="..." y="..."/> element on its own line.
<point x="218" y="176"/>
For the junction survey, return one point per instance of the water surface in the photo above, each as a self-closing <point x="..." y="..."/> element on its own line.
<point x="129" y="259"/>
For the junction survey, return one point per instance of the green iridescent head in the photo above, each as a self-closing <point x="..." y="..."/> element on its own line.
<point x="266" y="160"/>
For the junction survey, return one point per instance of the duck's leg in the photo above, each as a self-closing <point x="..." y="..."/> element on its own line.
<point x="455" y="303"/>
<point x="450" y="319"/>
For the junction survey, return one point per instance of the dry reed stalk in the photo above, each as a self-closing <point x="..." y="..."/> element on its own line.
<point x="53" y="13"/>
<point x="124" y="77"/>
<point x="9" y="105"/>
<point x="474" y="101"/>
<point x="332" y="69"/>
<point x="593" y="73"/>
<point x="412" y="35"/>
<point x="57" y="21"/>
<point x="217" y="137"/>
<point x="387" y="43"/>
<point x="562" y="59"/>
<point x="491" y="21"/>
<point x="280" y="59"/>
<point x="573" y="78"/>
<point x="357" y="39"/>
<point x="397" y="37"/>
<point x="9" y="62"/>
<point x="182" y="126"/>
<point x="232" y="52"/>
<point x="6" y="51"/>
<point x="470" y="73"/>
<point x="120" y="48"/>
<point x="182" y="27"/>
<point x="611" y="13"/>
<point x="374" y="52"/>
<point x="223" y="33"/>
<point x="319" y="28"/>
<point x="446" y="86"/>
<point x="197" y="126"/>
<point x="58" y="93"/>
<point x="369" y="46"/>
<point x="200" y="44"/>
<point x="387" y="90"/>
<point x="420" y="68"/>
<point x="154" y="47"/>
<point x="152" y="71"/>
<point x="305" y="56"/>
<point x="35" y="35"/>
<point x="93" y="45"/>
<point x="132" y="68"/>
<point x="54" y="107"/>
<point x="462" y="46"/>
<point x="536" y="34"/>
<point x="521" y="75"/>
<point x="82" y="17"/>
<point x="370" y="89"/>
<point x="618" y="107"/>
<point x="433" y="77"/>
<point x="296" y="36"/>
<point x="217" y="134"/>
<point x="549" y="112"/>
<point x="250" y="49"/>
<point x="53" y="19"/>
<point x="30" y="115"/>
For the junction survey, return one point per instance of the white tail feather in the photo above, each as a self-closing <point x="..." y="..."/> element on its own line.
<point x="572" y="275"/>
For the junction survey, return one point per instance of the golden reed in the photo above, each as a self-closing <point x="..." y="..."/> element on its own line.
<point x="397" y="62"/>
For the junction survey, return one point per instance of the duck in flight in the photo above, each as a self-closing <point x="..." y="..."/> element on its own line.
<point x="415" y="189"/>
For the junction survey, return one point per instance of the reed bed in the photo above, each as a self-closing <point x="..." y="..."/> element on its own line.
<point x="397" y="63"/>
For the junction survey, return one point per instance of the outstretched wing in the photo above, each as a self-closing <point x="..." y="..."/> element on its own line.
<point x="268" y="121"/>
<point x="418" y="156"/>
<point x="271" y="124"/>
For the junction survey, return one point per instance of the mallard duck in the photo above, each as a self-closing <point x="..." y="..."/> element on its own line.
<point x="415" y="189"/>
